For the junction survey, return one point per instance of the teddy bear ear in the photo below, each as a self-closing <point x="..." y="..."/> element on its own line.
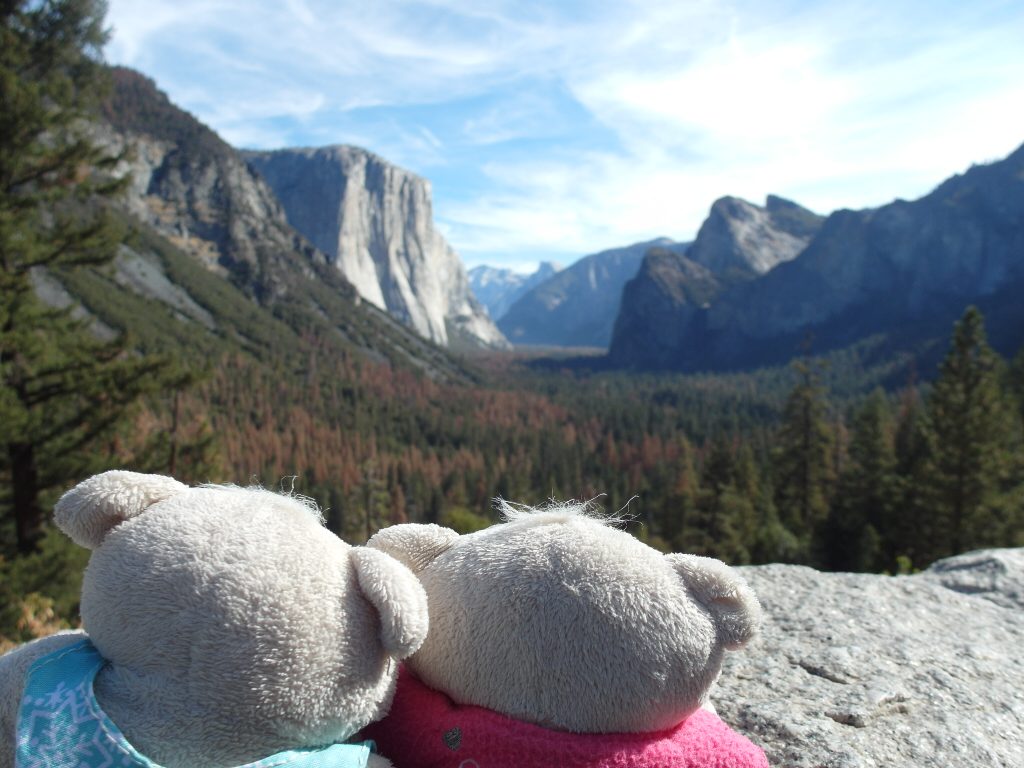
<point x="413" y="544"/>
<point x="398" y="597"/>
<point x="724" y="593"/>
<point x="88" y="511"/>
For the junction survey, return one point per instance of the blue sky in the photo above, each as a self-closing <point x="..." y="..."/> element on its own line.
<point x="550" y="130"/>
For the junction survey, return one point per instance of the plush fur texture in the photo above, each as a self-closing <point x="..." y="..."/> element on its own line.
<point x="557" y="619"/>
<point x="235" y="625"/>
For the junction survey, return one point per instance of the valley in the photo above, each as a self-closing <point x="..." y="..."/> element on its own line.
<point x="334" y="346"/>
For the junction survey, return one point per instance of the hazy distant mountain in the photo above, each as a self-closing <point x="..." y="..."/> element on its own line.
<point x="905" y="270"/>
<point x="577" y="307"/>
<point x="498" y="289"/>
<point x="738" y="242"/>
<point x="375" y="223"/>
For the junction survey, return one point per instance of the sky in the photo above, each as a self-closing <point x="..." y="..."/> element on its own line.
<point x="551" y="130"/>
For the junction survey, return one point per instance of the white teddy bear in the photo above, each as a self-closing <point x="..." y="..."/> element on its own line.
<point x="557" y="639"/>
<point x="223" y="626"/>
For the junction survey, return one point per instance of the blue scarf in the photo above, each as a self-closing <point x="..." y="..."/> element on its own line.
<point x="61" y="725"/>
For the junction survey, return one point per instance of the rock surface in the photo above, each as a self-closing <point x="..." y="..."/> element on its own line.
<point x="375" y="222"/>
<point x="960" y="242"/>
<point x="740" y="239"/>
<point x="897" y="276"/>
<point x="198" y="193"/>
<point x="660" y="319"/>
<point x="577" y="307"/>
<point x="658" y="305"/>
<point x="197" y="207"/>
<point x="856" y="670"/>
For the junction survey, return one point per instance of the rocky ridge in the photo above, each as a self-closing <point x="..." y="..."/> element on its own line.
<point x="961" y="241"/>
<point x="739" y="239"/>
<point x="193" y="189"/>
<point x="858" y="670"/>
<point x="898" y="275"/>
<point x="657" y="308"/>
<point x="375" y="223"/>
<point x="209" y="242"/>
<point x="662" y="306"/>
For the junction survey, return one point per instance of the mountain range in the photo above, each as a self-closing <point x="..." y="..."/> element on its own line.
<point x="340" y="238"/>
<point x="738" y="243"/>
<point x="903" y="271"/>
<point x="213" y="261"/>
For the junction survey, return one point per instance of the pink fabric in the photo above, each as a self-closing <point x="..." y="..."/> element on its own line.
<point x="426" y="729"/>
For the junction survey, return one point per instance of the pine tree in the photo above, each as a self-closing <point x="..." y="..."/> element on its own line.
<point x="62" y="390"/>
<point x="863" y="515"/>
<point x="914" y="535"/>
<point x="1015" y="383"/>
<point x="968" y="417"/>
<point x="713" y="528"/>
<point x="804" y="461"/>
<point x="681" y="500"/>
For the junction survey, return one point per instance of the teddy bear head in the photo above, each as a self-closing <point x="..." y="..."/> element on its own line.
<point x="558" y="618"/>
<point x="233" y="623"/>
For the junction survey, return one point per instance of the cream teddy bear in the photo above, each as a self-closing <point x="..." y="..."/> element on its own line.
<point x="223" y="626"/>
<point x="557" y="639"/>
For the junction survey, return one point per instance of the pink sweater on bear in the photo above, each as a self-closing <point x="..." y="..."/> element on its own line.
<point x="426" y="729"/>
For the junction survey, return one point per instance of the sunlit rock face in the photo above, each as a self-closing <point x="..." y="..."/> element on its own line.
<point x="855" y="670"/>
<point x="192" y="188"/>
<point x="375" y="222"/>
<point x="740" y="239"/>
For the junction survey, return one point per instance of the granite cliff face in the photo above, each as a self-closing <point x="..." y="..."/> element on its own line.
<point x="375" y="223"/>
<point x="196" y="191"/>
<point x="577" y="307"/>
<point x="498" y="289"/>
<point x="661" y="309"/>
<point x="742" y="240"/>
<point x="857" y="670"/>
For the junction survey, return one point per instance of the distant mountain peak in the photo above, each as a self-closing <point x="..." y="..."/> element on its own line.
<point x="498" y="288"/>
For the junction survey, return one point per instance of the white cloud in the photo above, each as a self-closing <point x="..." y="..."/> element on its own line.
<point x="676" y="103"/>
<point x="814" y="107"/>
